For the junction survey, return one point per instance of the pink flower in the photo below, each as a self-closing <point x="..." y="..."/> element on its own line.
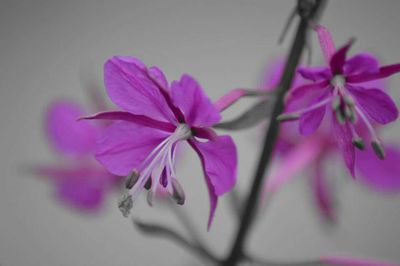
<point x="342" y="89"/>
<point x="297" y="155"/>
<point x="79" y="181"/>
<point x="156" y="118"/>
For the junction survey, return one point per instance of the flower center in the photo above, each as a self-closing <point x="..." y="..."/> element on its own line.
<point x="338" y="81"/>
<point x="157" y="171"/>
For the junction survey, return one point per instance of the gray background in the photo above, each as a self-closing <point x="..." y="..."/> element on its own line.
<point x="46" y="45"/>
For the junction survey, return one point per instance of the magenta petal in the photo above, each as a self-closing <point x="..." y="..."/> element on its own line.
<point x="315" y="73"/>
<point x="361" y="63"/>
<point x="297" y="159"/>
<point x="190" y="98"/>
<point x="310" y="121"/>
<point x="65" y="133"/>
<point x="303" y="90"/>
<point x="125" y="145"/>
<point x="80" y="186"/>
<point x="384" y="72"/>
<point x="323" y="194"/>
<point x="211" y="190"/>
<point x="129" y="117"/>
<point x="382" y="175"/>
<point x="220" y="159"/>
<point x="326" y="42"/>
<point x="158" y="76"/>
<point x="339" y="58"/>
<point x="343" y="135"/>
<point x="376" y="103"/>
<point x="131" y="87"/>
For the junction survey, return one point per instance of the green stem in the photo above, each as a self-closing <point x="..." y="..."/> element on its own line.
<point x="307" y="9"/>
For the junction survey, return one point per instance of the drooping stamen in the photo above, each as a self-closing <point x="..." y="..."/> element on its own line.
<point x="378" y="149"/>
<point x="178" y="192"/>
<point x="356" y="139"/>
<point x="132" y="179"/>
<point x="296" y="115"/>
<point x="158" y="167"/>
<point x="375" y="143"/>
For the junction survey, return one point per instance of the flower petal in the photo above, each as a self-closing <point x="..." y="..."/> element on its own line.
<point x="315" y="73"/>
<point x="303" y="90"/>
<point x="310" y="121"/>
<point x="194" y="103"/>
<point x="129" y="117"/>
<point x="323" y="194"/>
<point x="65" y="133"/>
<point x="382" y="175"/>
<point x="376" y="103"/>
<point x="125" y="145"/>
<point x="158" y="76"/>
<point x="339" y="58"/>
<point x="230" y="98"/>
<point x="343" y="137"/>
<point x="383" y="72"/>
<point x="219" y="161"/>
<point x="361" y="63"/>
<point x="80" y="186"/>
<point x="130" y="86"/>
<point x="326" y="42"/>
<point x="297" y="159"/>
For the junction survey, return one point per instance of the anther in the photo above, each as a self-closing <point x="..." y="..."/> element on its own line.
<point x="349" y="112"/>
<point x="125" y="204"/>
<point x="178" y="193"/>
<point x="336" y="102"/>
<point x="358" y="143"/>
<point x="149" y="198"/>
<point x="340" y="117"/>
<point x="348" y="100"/>
<point x="132" y="179"/>
<point x="148" y="183"/>
<point x="378" y="149"/>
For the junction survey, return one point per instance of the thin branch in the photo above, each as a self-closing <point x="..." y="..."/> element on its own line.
<point x="162" y="231"/>
<point x="306" y="9"/>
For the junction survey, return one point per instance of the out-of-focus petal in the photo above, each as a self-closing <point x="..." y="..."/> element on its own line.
<point x="326" y="42"/>
<point x="383" y="72"/>
<point x="339" y="58"/>
<point x="310" y="121"/>
<point x="376" y="103"/>
<point x="66" y="134"/>
<point x="381" y="175"/>
<point x="125" y="145"/>
<point x="294" y="161"/>
<point x="323" y="194"/>
<point x="315" y="73"/>
<point x="130" y="86"/>
<point x="81" y="186"/>
<point x="361" y="63"/>
<point x="343" y="135"/>
<point x="303" y="90"/>
<point x="197" y="108"/>
<point x="129" y="117"/>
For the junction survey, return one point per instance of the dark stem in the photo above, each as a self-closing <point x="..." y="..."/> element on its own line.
<point x="307" y="9"/>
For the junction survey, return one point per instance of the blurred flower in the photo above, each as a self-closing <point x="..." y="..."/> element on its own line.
<point x="79" y="180"/>
<point x="296" y="154"/>
<point x="341" y="87"/>
<point x="156" y="118"/>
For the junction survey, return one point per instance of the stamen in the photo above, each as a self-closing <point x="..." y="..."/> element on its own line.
<point x="132" y="179"/>
<point x="125" y="204"/>
<point x="378" y="149"/>
<point x="338" y="81"/>
<point x="356" y="139"/>
<point x="366" y="122"/>
<point x="178" y="192"/>
<point x="296" y="115"/>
